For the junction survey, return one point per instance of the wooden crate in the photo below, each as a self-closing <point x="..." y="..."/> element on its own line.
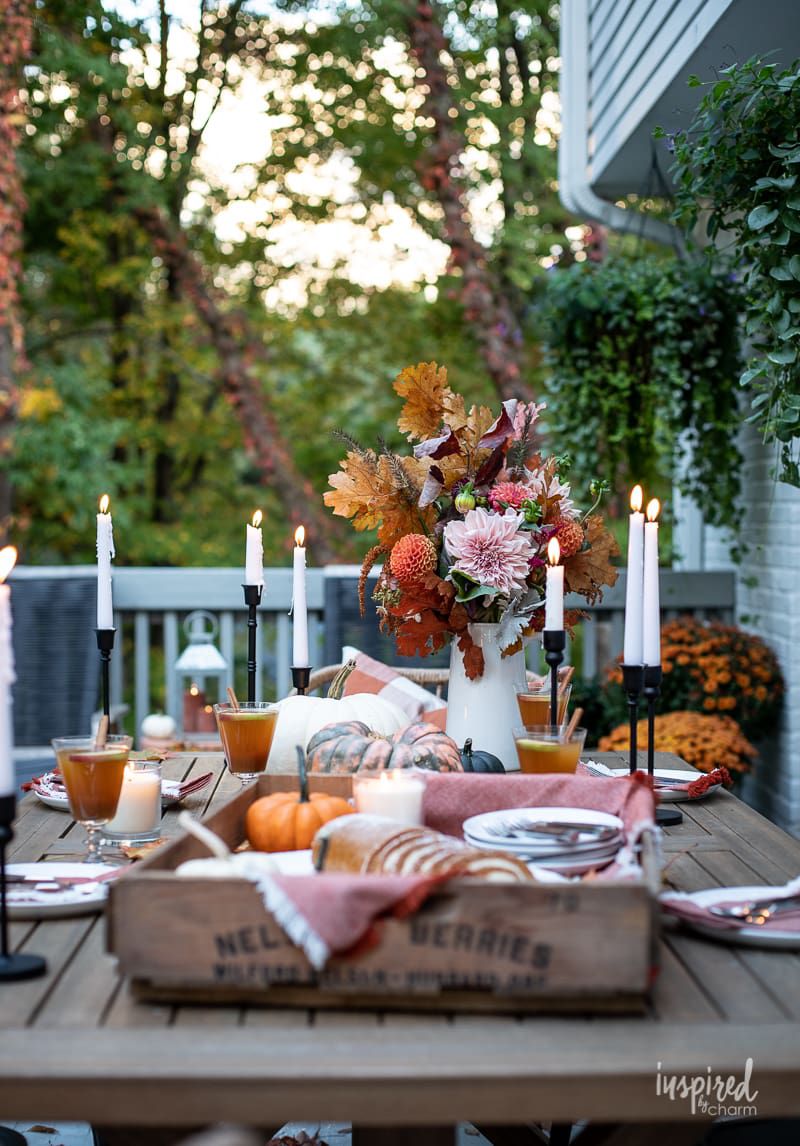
<point x="474" y="946"/>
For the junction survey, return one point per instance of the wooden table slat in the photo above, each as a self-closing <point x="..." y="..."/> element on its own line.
<point x="712" y="1005"/>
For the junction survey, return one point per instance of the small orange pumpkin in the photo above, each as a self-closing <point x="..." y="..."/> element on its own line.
<point x="288" y="821"/>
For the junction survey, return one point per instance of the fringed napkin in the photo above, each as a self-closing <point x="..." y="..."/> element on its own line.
<point x="330" y="914"/>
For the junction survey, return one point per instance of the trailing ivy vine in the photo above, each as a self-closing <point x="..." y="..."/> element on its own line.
<point x="644" y="359"/>
<point x="737" y="169"/>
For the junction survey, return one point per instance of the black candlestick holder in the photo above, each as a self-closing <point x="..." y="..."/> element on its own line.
<point x="633" y="683"/>
<point x="252" y="598"/>
<point x="554" y="641"/>
<point x="301" y="677"/>
<point x="12" y="966"/>
<point x="105" y="643"/>
<point x="652" y="690"/>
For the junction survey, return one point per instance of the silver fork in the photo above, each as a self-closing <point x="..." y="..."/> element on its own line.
<point x="757" y="911"/>
<point x="565" y="833"/>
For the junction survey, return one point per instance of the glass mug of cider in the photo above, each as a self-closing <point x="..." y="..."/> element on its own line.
<point x="93" y="776"/>
<point x="533" y="702"/>
<point x="246" y="733"/>
<point x="548" y="747"/>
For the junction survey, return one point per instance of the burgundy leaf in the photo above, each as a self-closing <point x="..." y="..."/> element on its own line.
<point x="502" y="428"/>
<point x="446" y="443"/>
<point x="491" y="467"/>
<point x="434" y="484"/>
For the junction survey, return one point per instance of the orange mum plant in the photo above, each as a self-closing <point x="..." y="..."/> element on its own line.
<point x="464" y="521"/>
<point x="707" y="742"/>
<point x="715" y="669"/>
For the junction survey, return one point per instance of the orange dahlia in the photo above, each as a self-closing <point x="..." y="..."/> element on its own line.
<point x="570" y="536"/>
<point x="412" y="558"/>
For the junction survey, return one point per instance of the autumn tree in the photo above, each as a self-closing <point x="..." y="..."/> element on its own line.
<point x="15" y="40"/>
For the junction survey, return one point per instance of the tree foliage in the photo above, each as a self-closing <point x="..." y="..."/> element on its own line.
<point x="737" y="168"/>
<point x="156" y="370"/>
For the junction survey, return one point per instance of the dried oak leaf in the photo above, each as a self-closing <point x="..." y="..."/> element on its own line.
<point x="353" y="492"/>
<point x="421" y="637"/>
<point x="397" y="486"/>
<point x="425" y="390"/>
<point x="472" y="655"/>
<point x="591" y="568"/>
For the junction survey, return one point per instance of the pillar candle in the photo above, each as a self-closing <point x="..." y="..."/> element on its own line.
<point x="105" y="551"/>
<point x="391" y="794"/>
<point x="139" y="807"/>
<point x="554" y="591"/>
<point x="299" y="607"/>
<point x="651" y="613"/>
<point x="633" y="650"/>
<point x="8" y="556"/>
<point x="254" y="554"/>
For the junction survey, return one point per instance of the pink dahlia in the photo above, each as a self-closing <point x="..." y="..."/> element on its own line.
<point x="490" y="548"/>
<point x="507" y="494"/>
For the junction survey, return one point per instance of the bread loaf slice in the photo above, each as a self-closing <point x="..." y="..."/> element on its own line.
<point x="376" y="845"/>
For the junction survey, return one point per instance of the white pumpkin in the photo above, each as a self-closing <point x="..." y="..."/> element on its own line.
<point x="238" y="865"/>
<point x="300" y="717"/>
<point x="222" y="863"/>
<point x="159" y="726"/>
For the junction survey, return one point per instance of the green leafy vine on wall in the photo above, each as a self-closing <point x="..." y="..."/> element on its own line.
<point x="644" y="360"/>
<point x="737" y="169"/>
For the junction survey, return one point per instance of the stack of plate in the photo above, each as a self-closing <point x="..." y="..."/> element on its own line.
<point x="570" y="841"/>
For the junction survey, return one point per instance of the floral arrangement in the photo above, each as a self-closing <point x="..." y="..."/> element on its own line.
<point x="465" y="520"/>
<point x="710" y="667"/>
<point x="707" y="742"/>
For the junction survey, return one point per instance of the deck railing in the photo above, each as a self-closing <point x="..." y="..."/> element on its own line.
<point x="150" y="605"/>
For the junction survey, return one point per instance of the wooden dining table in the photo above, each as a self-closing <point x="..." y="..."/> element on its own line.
<point x="77" y="1045"/>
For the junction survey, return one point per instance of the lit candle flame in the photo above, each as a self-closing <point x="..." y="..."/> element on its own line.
<point x="8" y="559"/>
<point x="636" y="499"/>
<point x="257" y="518"/>
<point x="653" y="509"/>
<point x="300" y="536"/>
<point x="553" y="551"/>
<point x="105" y="501"/>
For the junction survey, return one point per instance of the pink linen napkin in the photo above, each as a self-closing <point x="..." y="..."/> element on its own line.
<point x="329" y="914"/>
<point x="683" y="906"/>
<point x="452" y="797"/>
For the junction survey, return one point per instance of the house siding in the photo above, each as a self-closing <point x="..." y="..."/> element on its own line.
<point x="636" y="49"/>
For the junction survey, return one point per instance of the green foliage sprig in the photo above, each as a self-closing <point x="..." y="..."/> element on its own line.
<point x="644" y="361"/>
<point x="738" y="169"/>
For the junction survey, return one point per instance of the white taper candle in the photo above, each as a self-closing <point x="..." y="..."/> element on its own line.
<point x="633" y="653"/>
<point x="8" y="557"/>
<point x="651" y="609"/>
<point x="105" y="551"/>
<point x="554" y="589"/>
<point x="254" y="552"/>
<point x="299" y="607"/>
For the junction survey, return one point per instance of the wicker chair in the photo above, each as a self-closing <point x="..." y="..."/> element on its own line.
<point x="433" y="679"/>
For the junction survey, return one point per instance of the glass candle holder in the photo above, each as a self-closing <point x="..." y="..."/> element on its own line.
<point x="394" y="794"/>
<point x="138" y="816"/>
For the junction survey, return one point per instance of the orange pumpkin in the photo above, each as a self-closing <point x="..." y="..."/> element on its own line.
<point x="288" y="821"/>
<point x="352" y="747"/>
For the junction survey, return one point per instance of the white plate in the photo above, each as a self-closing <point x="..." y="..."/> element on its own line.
<point x="84" y="899"/>
<point x="54" y="796"/>
<point x="666" y="796"/>
<point x="553" y="855"/>
<point x="740" y="936"/>
<point x="476" y="826"/>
